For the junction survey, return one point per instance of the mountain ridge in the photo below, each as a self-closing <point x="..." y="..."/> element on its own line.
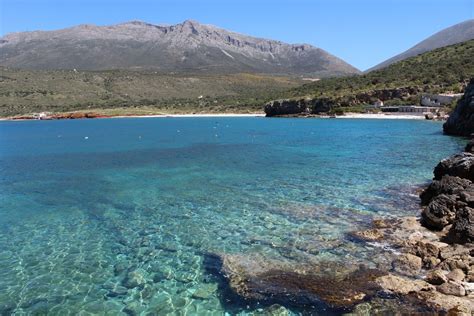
<point x="454" y="34"/>
<point x="183" y="47"/>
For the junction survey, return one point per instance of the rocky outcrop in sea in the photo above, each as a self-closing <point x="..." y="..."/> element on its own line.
<point x="300" y="107"/>
<point x="461" y="121"/>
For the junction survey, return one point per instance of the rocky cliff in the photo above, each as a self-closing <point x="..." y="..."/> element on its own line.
<point x="301" y="107"/>
<point x="449" y="200"/>
<point x="298" y="107"/>
<point x="461" y="121"/>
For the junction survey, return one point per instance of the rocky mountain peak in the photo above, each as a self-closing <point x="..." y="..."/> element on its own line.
<point x="187" y="46"/>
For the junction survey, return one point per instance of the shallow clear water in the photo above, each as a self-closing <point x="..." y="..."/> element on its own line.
<point x="84" y="202"/>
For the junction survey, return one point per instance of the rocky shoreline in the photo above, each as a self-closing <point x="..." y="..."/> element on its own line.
<point x="425" y="264"/>
<point x="434" y="254"/>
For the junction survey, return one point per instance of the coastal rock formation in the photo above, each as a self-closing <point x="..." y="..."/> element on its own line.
<point x="338" y="288"/>
<point x="322" y="105"/>
<point x="286" y="107"/>
<point x="470" y="147"/>
<point x="304" y="107"/>
<point x="421" y="252"/>
<point x="300" y="107"/>
<point x="461" y="121"/>
<point x="440" y="212"/>
<point x="449" y="199"/>
<point x="446" y="185"/>
<point x="463" y="228"/>
<point x="438" y="248"/>
<point x="444" y="256"/>
<point x="460" y="165"/>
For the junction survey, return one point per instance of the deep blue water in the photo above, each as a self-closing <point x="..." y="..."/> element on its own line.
<point x="82" y="202"/>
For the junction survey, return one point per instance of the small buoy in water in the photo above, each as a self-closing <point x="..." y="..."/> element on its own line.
<point x="139" y="137"/>
<point x="178" y="131"/>
<point x="86" y="137"/>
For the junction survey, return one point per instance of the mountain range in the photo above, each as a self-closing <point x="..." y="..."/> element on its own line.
<point x="458" y="33"/>
<point x="188" y="47"/>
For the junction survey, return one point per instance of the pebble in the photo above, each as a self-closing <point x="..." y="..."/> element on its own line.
<point x="457" y="275"/>
<point x="469" y="287"/>
<point x="436" y="277"/>
<point x="452" y="288"/>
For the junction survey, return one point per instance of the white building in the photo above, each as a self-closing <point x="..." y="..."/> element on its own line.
<point x="439" y="100"/>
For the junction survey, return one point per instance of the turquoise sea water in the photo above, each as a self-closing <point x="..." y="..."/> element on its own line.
<point x="84" y="203"/>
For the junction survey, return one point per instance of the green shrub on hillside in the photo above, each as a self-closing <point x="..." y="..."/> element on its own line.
<point x="441" y="70"/>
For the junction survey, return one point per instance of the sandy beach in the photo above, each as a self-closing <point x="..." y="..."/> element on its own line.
<point x="193" y="115"/>
<point x="381" y="116"/>
<point x="345" y="116"/>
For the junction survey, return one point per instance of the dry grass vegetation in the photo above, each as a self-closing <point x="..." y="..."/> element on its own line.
<point x="134" y="92"/>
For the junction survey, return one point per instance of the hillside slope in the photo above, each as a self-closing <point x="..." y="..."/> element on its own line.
<point x="185" y="47"/>
<point x="127" y="92"/>
<point x="441" y="70"/>
<point x="452" y="35"/>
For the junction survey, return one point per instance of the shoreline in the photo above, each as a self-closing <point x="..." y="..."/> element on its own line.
<point x="190" y="115"/>
<point x="85" y="115"/>
<point x="382" y="116"/>
<point x="95" y="115"/>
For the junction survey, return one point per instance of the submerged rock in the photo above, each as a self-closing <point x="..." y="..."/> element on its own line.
<point x="255" y="278"/>
<point x="374" y="234"/>
<point x="135" y="278"/>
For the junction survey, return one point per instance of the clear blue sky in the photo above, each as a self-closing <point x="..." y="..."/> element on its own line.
<point x="362" y="32"/>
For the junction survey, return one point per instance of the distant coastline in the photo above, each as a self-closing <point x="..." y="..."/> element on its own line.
<point x="88" y="115"/>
